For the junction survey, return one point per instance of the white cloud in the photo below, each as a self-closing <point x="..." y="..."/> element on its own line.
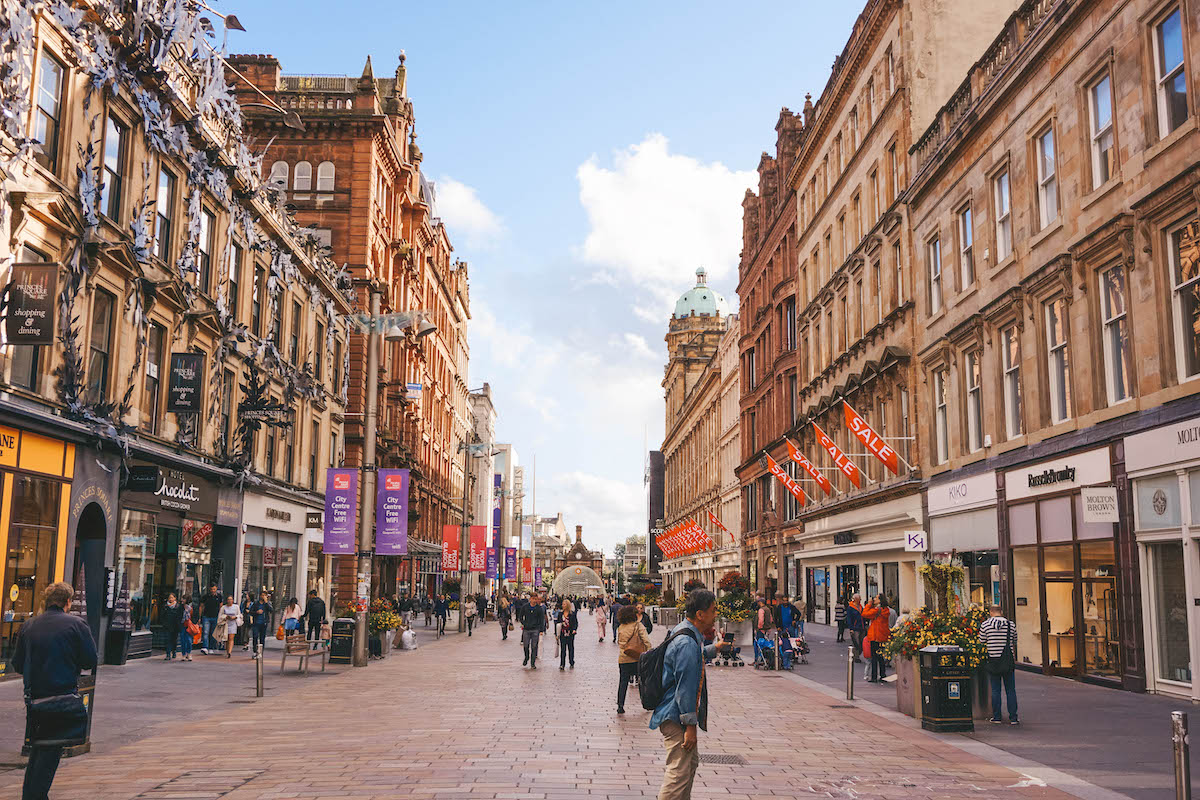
<point x="466" y="215"/>
<point x="635" y="345"/>
<point x="655" y="216"/>
<point x="609" y="510"/>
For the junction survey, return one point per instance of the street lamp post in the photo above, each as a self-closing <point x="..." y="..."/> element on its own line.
<point x="464" y="543"/>
<point x="373" y="326"/>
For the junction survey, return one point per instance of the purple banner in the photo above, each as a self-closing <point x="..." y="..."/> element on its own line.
<point x="391" y="513"/>
<point x="510" y="563"/>
<point x="341" y="511"/>
<point x="492" y="566"/>
<point x="537" y="576"/>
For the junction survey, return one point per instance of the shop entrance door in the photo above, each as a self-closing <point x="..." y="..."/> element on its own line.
<point x="1059" y="628"/>
<point x="817" y="581"/>
<point x="847" y="581"/>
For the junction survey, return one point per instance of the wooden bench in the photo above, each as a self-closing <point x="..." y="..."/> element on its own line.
<point x="296" y="645"/>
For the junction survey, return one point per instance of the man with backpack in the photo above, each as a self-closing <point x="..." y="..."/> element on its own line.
<point x="999" y="635"/>
<point x="672" y="679"/>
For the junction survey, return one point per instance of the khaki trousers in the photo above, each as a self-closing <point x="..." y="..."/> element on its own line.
<point x="681" y="763"/>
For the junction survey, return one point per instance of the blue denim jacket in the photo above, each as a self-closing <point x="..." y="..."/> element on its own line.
<point x="682" y="668"/>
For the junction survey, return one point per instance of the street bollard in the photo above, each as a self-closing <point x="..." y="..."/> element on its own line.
<point x="1183" y="767"/>
<point x="850" y="672"/>
<point x="258" y="676"/>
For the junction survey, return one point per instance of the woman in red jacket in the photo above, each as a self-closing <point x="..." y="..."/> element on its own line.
<point x="878" y="632"/>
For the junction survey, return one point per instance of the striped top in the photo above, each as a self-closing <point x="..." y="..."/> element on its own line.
<point x="839" y="613"/>
<point x="995" y="632"/>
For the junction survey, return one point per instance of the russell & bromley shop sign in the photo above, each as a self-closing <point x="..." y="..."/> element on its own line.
<point x="1052" y="476"/>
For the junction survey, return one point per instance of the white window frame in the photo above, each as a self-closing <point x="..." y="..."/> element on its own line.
<point x="278" y="179"/>
<point x="302" y="179"/>
<point x="1163" y="76"/>
<point x="898" y="258"/>
<point x="1100" y="133"/>
<point x="1058" y="360"/>
<point x="1013" y="424"/>
<point x="1047" y="175"/>
<point x="1177" y="289"/>
<point x="1114" y="327"/>
<point x="941" y="417"/>
<point x="966" y="247"/>
<point x="973" y="377"/>
<point x="934" y="249"/>
<point x="1002" y="197"/>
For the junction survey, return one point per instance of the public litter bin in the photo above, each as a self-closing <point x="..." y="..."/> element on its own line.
<point x="341" y="641"/>
<point x="945" y="689"/>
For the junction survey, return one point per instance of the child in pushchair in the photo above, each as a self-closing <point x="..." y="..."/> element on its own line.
<point x="779" y="650"/>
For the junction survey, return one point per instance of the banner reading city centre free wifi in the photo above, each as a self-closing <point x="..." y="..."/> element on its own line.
<point x="341" y="511"/>
<point x="391" y="513"/>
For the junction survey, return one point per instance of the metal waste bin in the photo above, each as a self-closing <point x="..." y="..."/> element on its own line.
<point x="341" y="640"/>
<point x="945" y="689"/>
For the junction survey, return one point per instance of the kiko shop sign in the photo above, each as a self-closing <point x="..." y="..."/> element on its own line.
<point x="1060" y="474"/>
<point x="173" y="490"/>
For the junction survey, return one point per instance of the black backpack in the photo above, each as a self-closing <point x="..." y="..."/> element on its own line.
<point x="650" y="670"/>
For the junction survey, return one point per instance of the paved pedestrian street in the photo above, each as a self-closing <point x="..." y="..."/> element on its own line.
<point x="459" y="718"/>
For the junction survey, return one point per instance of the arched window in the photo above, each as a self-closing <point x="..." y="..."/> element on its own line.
<point x="279" y="176"/>
<point x="303" y="179"/>
<point x="325" y="176"/>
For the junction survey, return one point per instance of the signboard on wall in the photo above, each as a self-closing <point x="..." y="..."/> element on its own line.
<point x="391" y="513"/>
<point x="184" y="395"/>
<point x="32" y="296"/>
<point x="1099" y="503"/>
<point x="341" y="511"/>
<point x="916" y="542"/>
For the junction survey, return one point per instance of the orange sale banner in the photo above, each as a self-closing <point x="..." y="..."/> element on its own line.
<point x="786" y="480"/>
<point x="840" y="459"/>
<point x="806" y="465"/>
<point x="872" y="440"/>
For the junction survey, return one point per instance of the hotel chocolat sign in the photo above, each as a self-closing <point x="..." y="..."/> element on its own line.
<point x="183" y="389"/>
<point x="176" y="490"/>
<point x="31" y="299"/>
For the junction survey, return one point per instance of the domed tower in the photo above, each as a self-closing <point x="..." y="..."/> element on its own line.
<point x="692" y="336"/>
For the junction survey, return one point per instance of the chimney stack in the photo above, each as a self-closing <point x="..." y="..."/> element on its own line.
<point x="578" y="534"/>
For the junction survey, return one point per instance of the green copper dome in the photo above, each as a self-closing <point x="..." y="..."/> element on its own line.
<point x="701" y="300"/>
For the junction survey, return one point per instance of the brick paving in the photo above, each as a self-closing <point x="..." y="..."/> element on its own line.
<point x="459" y="718"/>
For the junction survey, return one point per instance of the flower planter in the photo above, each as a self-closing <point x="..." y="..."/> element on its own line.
<point x="908" y="687"/>
<point x="743" y="634"/>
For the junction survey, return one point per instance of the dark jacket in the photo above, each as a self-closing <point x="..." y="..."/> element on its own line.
<point x="854" y="618"/>
<point x="58" y="647"/>
<point x="210" y="606"/>
<point x="646" y="623"/>
<point x="171" y="618"/>
<point x="794" y="618"/>
<point x="260" y="613"/>
<point x="569" y="626"/>
<point x="441" y="608"/>
<point x="533" y="618"/>
<point x="315" y="610"/>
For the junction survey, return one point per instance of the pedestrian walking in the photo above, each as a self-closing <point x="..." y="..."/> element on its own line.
<point x="244" y="630"/>
<point x="427" y="606"/>
<point x="469" y="609"/>
<point x="683" y="709"/>
<point x="855" y="625"/>
<point x="186" y="633"/>
<point x="839" y="616"/>
<point x="632" y="641"/>
<point x="567" y="628"/>
<point x="876" y="615"/>
<point x="533" y="625"/>
<point x="260" y="616"/>
<point x="210" y="609"/>
<point x="52" y="648"/>
<point x="503" y="615"/>
<point x="644" y="617"/>
<point x="999" y="635"/>
<point x="314" y="610"/>
<point x="441" y="609"/>
<point x="171" y="618"/>
<point x="231" y="619"/>
<point x="293" y="618"/>
<point x="602" y="620"/>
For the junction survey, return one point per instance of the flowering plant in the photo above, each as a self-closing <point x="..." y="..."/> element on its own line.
<point x="734" y="606"/>
<point x="734" y="583"/>
<point x="694" y="583"/>
<point x="381" y="617"/>
<point x="927" y="628"/>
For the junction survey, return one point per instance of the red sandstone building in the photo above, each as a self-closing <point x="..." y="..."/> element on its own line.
<point x="354" y="175"/>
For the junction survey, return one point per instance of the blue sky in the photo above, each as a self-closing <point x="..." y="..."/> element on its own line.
<point x="589" y="157"/>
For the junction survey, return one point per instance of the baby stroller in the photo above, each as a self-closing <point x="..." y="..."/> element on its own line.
<point x="727" y="654"/>
<point x="776" y="652"/>
<point x="801" y="648"/>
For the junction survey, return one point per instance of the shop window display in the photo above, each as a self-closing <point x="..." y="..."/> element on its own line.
<point x="891" y="582"/>
<point x="1171" y="612"/>
<point x="135" y="563"/>
<point x="1028" y="609"/>
<point x="983" y="576"/>
<point x="872" y="573"/>
<point x="32" y="543"/>
<point x="1101" y="634"/>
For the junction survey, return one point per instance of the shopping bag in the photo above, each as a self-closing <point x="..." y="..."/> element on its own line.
<point x="194" y="631"/>
<point x="279" y="634"/>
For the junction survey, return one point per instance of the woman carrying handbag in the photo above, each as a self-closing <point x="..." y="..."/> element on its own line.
<point x="632" y="641"/>
<point x="231" y="619"/>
